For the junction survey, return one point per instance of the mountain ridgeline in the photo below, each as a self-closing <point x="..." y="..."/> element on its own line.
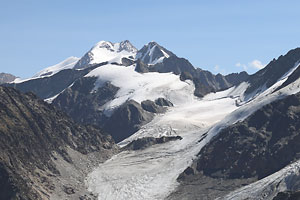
<point x="71" y="91"/>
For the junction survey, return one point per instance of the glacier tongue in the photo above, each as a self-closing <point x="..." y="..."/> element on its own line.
<point x="151" y="173"/>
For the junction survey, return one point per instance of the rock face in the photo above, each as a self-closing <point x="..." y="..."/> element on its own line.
<point x="126" y="120"/>
<point x="237" y="78"/>
<point x="289" y="195"/>
<point x="173" y="64"/>
<point x="150" y="106"/>
<point x="262" y="144"/>
<point x="141" y="67"/>
<point x="82" y="104"/>
<point x="145" y="142"/>
<point x="153" y="53"/>
<point x="5" y="78"/>
<point x="293" y="77"/>
<point x="32" y="132"/>
<point x="163" y="102"/>
<point x="273" y="71"/>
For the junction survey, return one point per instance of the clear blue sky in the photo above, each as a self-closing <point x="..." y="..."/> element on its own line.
<point x="221" y="36"/>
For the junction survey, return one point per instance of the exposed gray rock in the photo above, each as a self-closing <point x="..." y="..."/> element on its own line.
<point x="141" y="67"/>
<point x="237" y="78"/>
<point x="127" y="62"/>
<point x="32" y="132"/>
<point x="173" y="64"/>
<point x="150" y="106"/>
<point x="5" y="78"/>
<point x="200" y="187"/>
<point x="143" y="143"/>
<point x="293" y="77"/>
<point x="151" y="52"/>
<point x="126" y="120"/>
<point x="288" y="195"/>
<point x="264" y="143"/>
<point x="274" y="70"/>
<point x="83" y="104"/>
<point x="163" y="102"/>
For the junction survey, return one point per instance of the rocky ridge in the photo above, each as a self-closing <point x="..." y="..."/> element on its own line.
<point x="37" y="140"/>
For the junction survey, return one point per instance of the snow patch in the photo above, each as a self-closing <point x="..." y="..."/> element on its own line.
<point x="140" y="87"/>
<point x="68" y="63"/>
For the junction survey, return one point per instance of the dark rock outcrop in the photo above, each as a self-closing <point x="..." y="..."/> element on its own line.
<point x="31" y="132"/>
<point x="126" y="120"/>
<point x="237" y="78"/>
<point x="288" y="195"/>
<point x="173" y="64"/>
<point x="264" y="143"/>
<point x="150" y="106"/>
<point x="273" y="71"/>
<point x="151" y="52"/>
<point x="141" y="67"/>
<point x="292" y="78"/>
<point x="143" y="143"/>
<point x="127" y="62"/>
<point x="83" y="104"/>
<point x="163" y="102"/>
<point x="206" y="82"/>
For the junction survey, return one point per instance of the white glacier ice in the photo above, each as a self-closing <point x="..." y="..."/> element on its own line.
<point x="151" y="173"/>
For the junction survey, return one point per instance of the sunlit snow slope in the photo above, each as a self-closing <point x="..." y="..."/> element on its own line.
<point x="66" y="64"/>
<point x="140" y="87"/>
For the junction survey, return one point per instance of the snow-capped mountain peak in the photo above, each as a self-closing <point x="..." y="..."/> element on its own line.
<point x="105" y="51"/>
<point x="117" y="47"/>
<point x="153" y="53"/>
<point x="127" y="46"/>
